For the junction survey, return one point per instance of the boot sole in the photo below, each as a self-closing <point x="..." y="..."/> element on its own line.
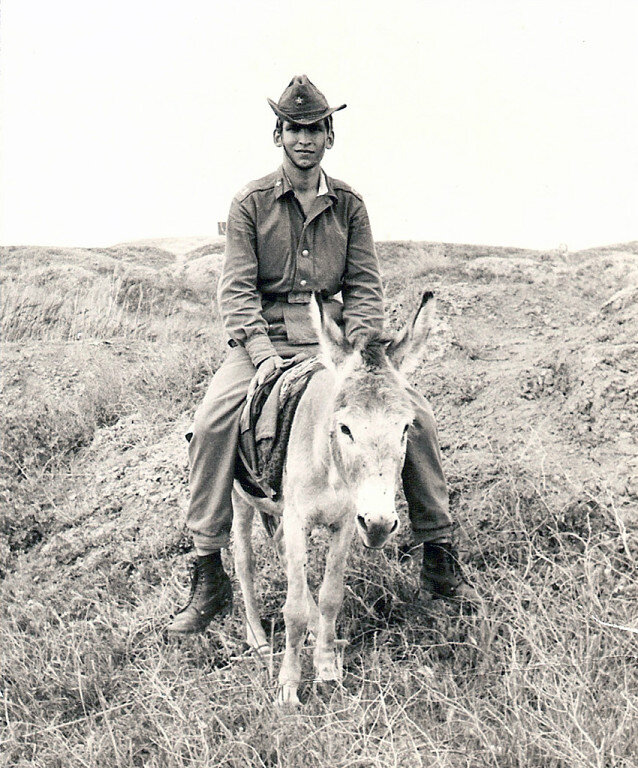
<point x="467" y="596"/>
<point x="222" y="613"/>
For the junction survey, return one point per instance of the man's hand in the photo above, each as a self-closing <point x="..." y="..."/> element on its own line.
<point x="264" y="370"/>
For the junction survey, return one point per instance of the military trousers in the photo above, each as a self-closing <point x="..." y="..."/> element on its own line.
<point x="212" y="446"/>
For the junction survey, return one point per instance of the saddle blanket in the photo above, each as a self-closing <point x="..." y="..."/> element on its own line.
<point x="265" y="425"/>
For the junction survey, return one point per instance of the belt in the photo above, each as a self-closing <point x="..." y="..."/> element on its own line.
<point x="292" y="297"/>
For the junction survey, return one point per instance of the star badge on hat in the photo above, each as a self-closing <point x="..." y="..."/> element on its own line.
<point x="302" y="102"/>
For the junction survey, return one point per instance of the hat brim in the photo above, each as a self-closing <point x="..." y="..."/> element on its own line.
<point x="304" y="118"/>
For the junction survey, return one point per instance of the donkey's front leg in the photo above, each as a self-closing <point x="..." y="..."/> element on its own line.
<point x="245" y="567"/>
<point x="313" y="611"/>
<point x="295" y="609"/>
<point x="330" y="600"/>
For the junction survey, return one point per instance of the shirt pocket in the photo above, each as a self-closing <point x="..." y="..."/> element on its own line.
<point x="275" y="267"/>
<point x="274" y="252"/>
<point x="332" y="247"/>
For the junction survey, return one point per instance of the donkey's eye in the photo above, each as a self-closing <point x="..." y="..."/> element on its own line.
<point x="345" y="429"/>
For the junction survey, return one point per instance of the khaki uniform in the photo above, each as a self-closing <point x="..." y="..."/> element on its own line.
<point x="275" y="256"/>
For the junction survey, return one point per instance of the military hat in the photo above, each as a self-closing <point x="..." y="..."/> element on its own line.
<point x="302" y="102"/>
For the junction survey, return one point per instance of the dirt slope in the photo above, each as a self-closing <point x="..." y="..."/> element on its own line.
<point x="532" y="370"/>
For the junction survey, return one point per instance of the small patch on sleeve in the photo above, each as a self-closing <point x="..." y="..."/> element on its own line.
<point x="347" y="188"/>
<point x="243" y="193"/>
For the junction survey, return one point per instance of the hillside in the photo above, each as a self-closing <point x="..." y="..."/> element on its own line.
<point x="532" y="371"/>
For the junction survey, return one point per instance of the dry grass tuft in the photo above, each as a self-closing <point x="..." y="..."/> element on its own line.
<point x="99" y="295"/>
<point x="93" y="554"/>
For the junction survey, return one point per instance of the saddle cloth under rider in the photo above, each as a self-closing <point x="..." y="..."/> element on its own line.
<point x="265" y="425"/>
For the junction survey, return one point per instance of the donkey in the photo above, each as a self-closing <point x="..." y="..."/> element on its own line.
<point x="345" y="455"/>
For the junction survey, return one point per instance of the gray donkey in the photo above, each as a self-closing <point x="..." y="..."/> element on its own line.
<point x="345" y="455"/>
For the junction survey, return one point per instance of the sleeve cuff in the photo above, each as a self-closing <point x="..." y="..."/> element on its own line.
<point x="259" y="348"/>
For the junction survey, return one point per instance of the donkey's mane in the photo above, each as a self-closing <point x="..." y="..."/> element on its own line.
<point x="372" y="349"/>
<point x="373" y="380"/>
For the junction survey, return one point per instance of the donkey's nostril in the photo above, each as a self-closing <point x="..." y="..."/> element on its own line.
<point x="362" y="522"/>
<point x="395" y="526"/>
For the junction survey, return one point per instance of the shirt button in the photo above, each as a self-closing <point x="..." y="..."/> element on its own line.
<point x="303" y="282"/>
<point x="305" y="252"/>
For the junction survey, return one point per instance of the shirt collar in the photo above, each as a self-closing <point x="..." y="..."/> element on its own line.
<point x="323" y="184"/>
<point x="283" y="185"/>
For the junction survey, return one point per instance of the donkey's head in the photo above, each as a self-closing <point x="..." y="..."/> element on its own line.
<point x="371" y="415"/>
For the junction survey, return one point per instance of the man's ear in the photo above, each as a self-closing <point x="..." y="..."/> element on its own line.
<point x="335" y="348"/>
<point x="405" y="351"/>
<point x="330" y="140"/>
<point x="276" y="137"/>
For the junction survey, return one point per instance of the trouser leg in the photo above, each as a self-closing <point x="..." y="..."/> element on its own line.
<point x="424" y="482"/>
<point x="213" y="445"/>
<point x="211" y="452"/>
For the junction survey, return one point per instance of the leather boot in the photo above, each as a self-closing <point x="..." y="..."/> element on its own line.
<point x="441" y="573"/>
<point x="211" y="595"/>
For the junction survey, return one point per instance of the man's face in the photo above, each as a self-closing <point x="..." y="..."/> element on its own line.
<point x="304" y="145"/>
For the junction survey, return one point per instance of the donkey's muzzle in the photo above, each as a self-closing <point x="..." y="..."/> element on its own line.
<point x="376" y="535"/>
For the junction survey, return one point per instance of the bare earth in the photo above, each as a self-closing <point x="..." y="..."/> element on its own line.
<point x="533" y="375"/>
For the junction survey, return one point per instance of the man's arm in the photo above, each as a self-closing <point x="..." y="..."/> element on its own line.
<point x="239" y="298"/>
<point x="362" y="289"/>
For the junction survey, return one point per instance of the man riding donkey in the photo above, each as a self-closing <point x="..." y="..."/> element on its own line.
<point x="290" y="233"/>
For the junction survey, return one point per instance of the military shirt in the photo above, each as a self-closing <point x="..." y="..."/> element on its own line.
<point x="276" y="255"/>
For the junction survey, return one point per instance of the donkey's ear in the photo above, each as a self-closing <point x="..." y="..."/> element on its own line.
<point x="334" y="346"/>
<point x="404" y="351"/>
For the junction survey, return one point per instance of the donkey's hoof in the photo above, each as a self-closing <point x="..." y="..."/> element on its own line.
<point x="328" y="673"/>
<point x="328" y="666"/>
<point x="287" y="696"/>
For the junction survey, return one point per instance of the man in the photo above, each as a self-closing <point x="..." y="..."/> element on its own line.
<point x="289" y="233"/>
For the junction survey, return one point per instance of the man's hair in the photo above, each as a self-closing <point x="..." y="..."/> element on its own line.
<point x="327" y="121"/>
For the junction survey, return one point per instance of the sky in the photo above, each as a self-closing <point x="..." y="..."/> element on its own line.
<point x="496" y="122"/>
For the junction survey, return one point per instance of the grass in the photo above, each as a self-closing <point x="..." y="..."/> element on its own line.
<point x="94" y="558"/>
<point x="61" y="296"/>
<point x="91" y="390"/>
<point x="538" y="678"/>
